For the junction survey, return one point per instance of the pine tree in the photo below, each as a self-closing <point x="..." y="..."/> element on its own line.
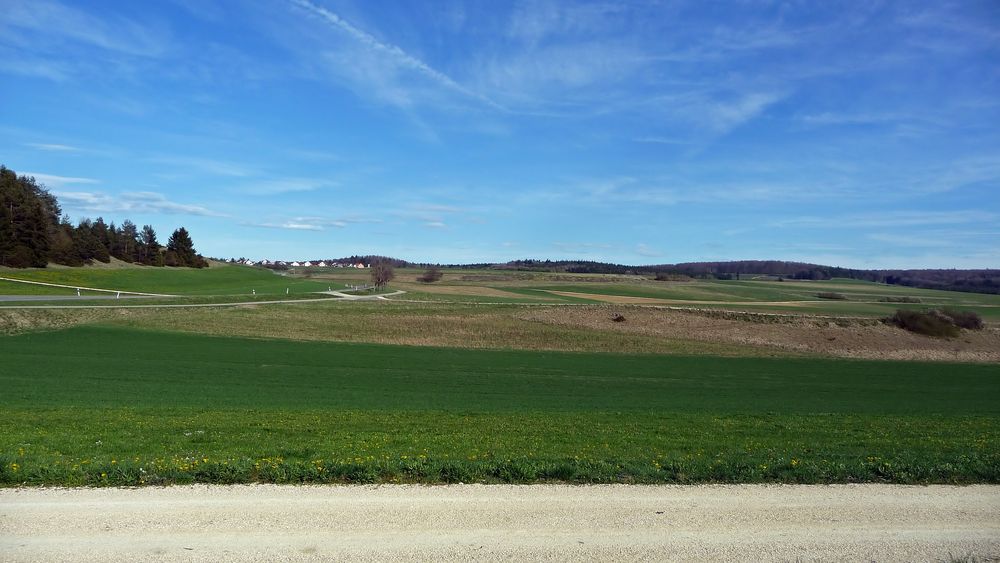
<point x="129" y="242"/>
<point x="182" y="247"/>
<point x="149" y="247"/>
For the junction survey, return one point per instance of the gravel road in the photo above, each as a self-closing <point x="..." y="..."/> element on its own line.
<point x="487" y="522"/>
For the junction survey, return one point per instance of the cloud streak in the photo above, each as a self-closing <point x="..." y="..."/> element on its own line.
<point x="130" y="202"/>
<point x="53" y="147"/>
<point x="894" y="219"/>
<point x="54" y="181"/>
<point x="51" y="19"/>
<point x="307" y="223"/>
<point x="392" y="53"/>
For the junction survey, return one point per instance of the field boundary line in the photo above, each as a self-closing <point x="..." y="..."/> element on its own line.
<point x="2" y="278"/>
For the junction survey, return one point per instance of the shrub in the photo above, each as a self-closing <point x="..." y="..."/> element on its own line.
<point x="964" y="319"/>
<point x="432" y="275"/>
<point x="830" y="295"/>
<point x="905" y="299"/>
<point x="928" y="323"/>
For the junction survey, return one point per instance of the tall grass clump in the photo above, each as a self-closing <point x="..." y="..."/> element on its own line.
<point x="942" y="323"/>
<point x="831" y="295"/>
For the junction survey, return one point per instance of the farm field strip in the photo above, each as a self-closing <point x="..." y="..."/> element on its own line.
<point x="78" y="288"/>
<point x="215" y="280"/>
<point x="491" y="287"/>
<point x="119" y="406"/>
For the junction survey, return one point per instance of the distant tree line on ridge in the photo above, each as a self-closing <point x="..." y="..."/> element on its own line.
<point x="34" y="232"/>
<point x="979" y="281"/>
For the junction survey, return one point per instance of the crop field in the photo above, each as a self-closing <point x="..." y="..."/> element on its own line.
<point x="488" y="376"/>
<point x="862" y="299"/>
<point x="218" y="280"/>
<point x="119" y="406"/>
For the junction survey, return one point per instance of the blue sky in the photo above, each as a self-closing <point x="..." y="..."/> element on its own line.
<point x="859" y="134"/>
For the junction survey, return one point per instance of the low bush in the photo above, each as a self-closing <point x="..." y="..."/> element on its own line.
<point x="964" y="319"/>
<point x="432" y="275"/>
<point x="905" y="299"/>
<point x="928" y="323"/>
<point x="830" y="295"/>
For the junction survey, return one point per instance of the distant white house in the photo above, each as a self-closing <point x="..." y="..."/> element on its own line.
<point x="321" y="264"/>
<point x="295" y="264"/>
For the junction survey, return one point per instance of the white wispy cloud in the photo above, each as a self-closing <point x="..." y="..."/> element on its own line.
<point x="313" y="223"/>
<point x="381" y="71"/>
<point x="667" y="191"/>
<point x="210" y="166"/>
<point x="648" y="251"/>
<point x="661" y="141"/>
<point x="562" y="76"/>
<point x="13" y="62"/>
<point x="892" y="219"/>
<point x="288" y="225"/>
<point x="583" y="248"/>
<point x="54" y="181"/>
<point x="909" y="240"/>
<point x="285" y="185"/>
<point x="429" y="214"/>
<point x="53" y="147"/>
<point x="56" y="21"/>
<point x="130" y="202"/>
<point x="846" y="118"/>
<point x="536" y="20"/>
<point x="725" y="116"/>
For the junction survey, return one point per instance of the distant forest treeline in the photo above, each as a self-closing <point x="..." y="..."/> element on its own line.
<point x="979" y="281"/>
<point x="34" y="232"/>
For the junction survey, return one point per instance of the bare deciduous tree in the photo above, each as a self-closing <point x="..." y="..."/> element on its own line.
<point x="382" y="273"/>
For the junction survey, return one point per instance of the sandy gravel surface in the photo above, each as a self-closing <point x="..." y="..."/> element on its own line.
<point x="481" y="522"/>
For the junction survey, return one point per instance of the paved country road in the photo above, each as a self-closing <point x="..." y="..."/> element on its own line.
<point x="499" y="522"/>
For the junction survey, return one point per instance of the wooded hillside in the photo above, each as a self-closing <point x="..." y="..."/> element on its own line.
<point x="35" y="232"/>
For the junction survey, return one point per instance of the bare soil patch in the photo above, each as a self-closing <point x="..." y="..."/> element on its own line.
<point x="474" y="290"/>
<point x="848" y="338"/>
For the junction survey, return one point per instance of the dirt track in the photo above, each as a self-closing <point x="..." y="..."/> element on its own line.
<point x="543" y="522"/>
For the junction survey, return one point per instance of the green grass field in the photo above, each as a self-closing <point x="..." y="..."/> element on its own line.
<point x="102" y="406"/>
<point x="487" y="286"/>
<point x="217" y="280"/>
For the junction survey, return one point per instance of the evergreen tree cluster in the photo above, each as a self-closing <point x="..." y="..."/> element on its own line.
<point x="34" y="232"/>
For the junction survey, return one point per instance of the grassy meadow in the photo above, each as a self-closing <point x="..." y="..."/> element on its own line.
<point x="861" y="299"/>
<point x="217" y="280"/>
<point x="484" y="376"/>
<point x="103" y="406"/>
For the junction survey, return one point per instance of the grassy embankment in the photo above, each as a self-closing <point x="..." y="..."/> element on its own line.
<point x="103" y="406"/>
<point x="217" y="280"/>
